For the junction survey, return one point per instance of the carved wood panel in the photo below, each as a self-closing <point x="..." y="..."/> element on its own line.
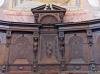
<point x="49" y="73"/>
<point x="47" y="69"/>
<point x="96" y="50"/>
<point x="49" y="52"/>
<point x="20" y="72"/>
<point x="83" y="47"/>
<point x="3" y="49"/>
<point x="49" y="18"/>
<point x="77" y="73"/>
<point x="76" y="45"/>
<point x="21" y="50"/>
<point x="21" y="54"/>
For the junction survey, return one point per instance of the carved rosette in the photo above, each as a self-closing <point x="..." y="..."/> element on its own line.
<point x="8" y="36"/>
<point x="90" y="37"/>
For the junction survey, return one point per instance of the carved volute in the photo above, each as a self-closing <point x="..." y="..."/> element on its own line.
<point x="48" y="14"/>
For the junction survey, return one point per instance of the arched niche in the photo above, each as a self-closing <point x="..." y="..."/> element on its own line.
<point x="21" y="51"/>
<point x="48" y="19"/>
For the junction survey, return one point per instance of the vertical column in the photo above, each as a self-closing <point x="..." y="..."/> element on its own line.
<point x="62" y="49"/>
<point x="35" y="51"/>
<point x="8" y="37"/>
<point x="92" y="65"/>
<point x="18" y="2"/>
<point x="78" y="3"/>
<point x="10" y="4"/>
<point x="8" y="42"/>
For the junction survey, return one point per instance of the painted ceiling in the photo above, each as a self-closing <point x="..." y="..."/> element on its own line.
<point x="77" y="10"/>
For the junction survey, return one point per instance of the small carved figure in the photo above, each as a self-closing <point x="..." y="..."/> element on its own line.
<point x="49" y="49"/>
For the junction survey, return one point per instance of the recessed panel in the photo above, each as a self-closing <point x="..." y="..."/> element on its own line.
<point x="49" y="52"/>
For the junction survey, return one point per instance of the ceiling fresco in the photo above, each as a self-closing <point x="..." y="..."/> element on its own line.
<point x="27" y="4"/>
<point x="76" y="10"/>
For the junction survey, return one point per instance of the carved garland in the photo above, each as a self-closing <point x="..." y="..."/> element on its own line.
<point x="62" y="49"/>
<point x="35" y="50"/>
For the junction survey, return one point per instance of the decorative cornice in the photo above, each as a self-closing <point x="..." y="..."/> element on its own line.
<point x="88" y="23"/>
<point x="95" y="21"/>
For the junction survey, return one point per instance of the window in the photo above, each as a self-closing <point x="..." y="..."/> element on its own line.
<point x="1" y="2"/>
<point x="94" y="3"/>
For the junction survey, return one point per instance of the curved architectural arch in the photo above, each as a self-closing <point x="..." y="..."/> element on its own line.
<point x="21" y="51"/>
<point x="51" y="18"/>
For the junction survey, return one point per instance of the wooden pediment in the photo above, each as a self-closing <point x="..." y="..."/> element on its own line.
<point x="48" y="14"/>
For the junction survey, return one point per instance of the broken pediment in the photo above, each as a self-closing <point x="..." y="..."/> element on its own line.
<point x="48" y="14"/>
